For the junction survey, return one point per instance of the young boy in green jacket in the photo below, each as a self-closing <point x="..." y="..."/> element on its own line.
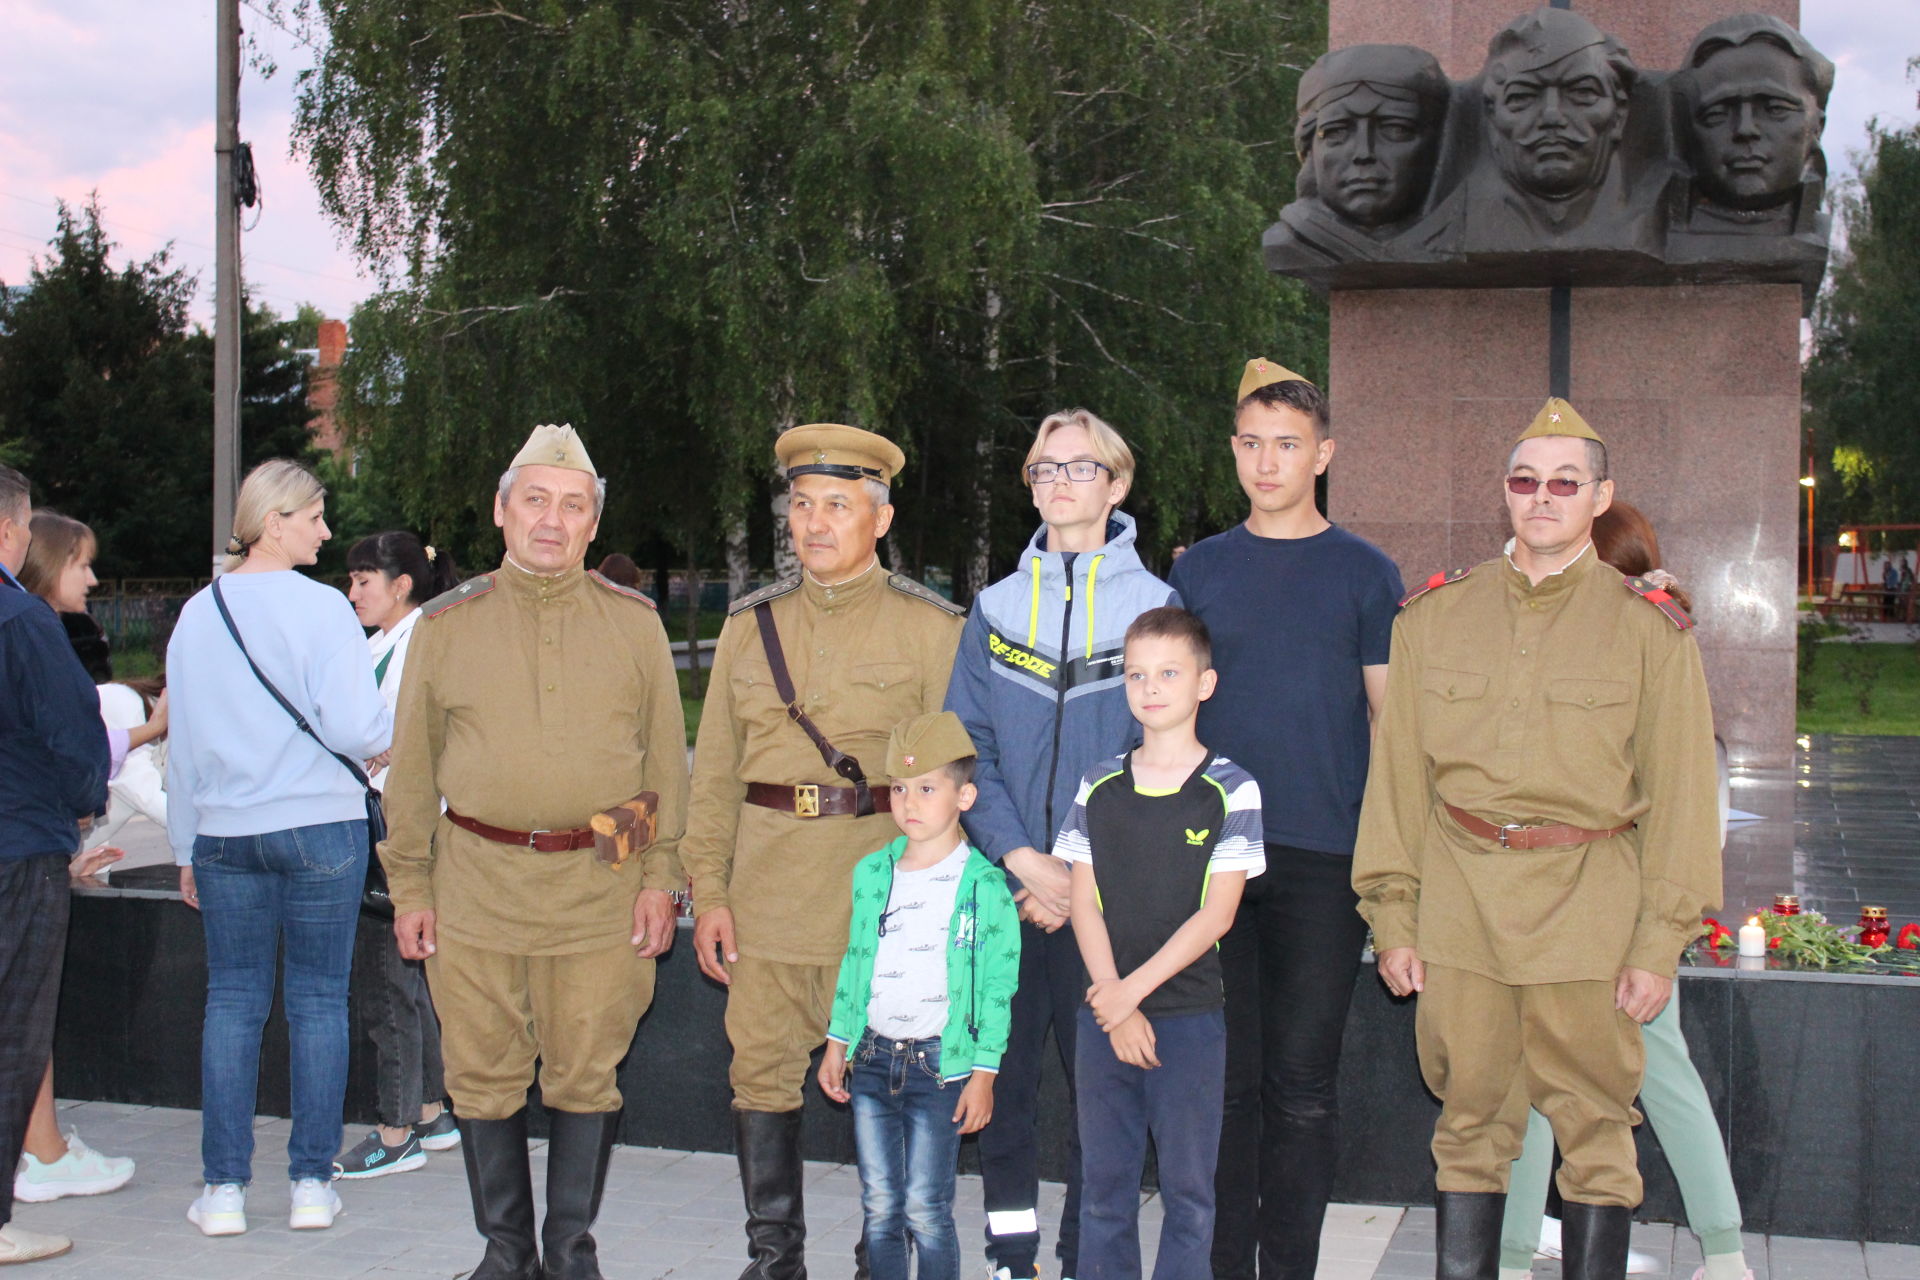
<point x="924" y="1001"/>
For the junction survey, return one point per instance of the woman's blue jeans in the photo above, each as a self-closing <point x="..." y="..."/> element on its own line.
<point x="909" y="1151"/>
<point x="299" y="887"/>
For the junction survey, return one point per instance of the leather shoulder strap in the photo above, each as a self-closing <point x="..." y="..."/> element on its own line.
<point x="837" y="760"/>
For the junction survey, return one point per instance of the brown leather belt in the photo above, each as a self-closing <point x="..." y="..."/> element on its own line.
<point x="810" y="801"/>
<point x="538" y="841"/>
<point x="1515" y="836"/>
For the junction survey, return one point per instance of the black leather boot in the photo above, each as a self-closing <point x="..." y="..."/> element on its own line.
<point x="1467" y="1234"/>
<point x="501" y="1183"/>
<point x="862" y="1260"/>
<point x="768" y="1143"/>
<point x="1593" y="1238"/>
<point x="578" y="1147"/>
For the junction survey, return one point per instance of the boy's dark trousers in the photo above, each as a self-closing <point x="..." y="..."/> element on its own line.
<point x="35" y="900"/>
<point x="1288" y="967"/>
<point x="1053" y="988"/>
<point x="1178" y="1102"/>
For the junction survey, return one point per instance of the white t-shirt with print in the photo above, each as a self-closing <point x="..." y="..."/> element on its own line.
<point x="908" y="998"/>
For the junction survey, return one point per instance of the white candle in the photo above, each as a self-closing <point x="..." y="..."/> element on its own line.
<point x="1753" y="939"/>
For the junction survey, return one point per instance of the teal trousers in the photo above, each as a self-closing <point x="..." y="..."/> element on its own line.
<point x="1675" y="1103"/>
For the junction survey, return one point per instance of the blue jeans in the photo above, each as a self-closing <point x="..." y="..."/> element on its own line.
<point x="1178" y="1103"/>
<point x="303" y="886"/>
<point x="909" y="1152"/>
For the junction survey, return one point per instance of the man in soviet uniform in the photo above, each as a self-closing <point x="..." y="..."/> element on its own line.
<point x="534" y="698"/>
<point x="774" y="830"/>
<point x="1537" y="843"/>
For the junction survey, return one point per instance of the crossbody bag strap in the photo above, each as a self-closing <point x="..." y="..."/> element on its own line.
<point x="837" y="760"/>
<point x="220" y="603"/>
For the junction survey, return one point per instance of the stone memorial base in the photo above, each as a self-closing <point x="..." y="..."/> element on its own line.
<point x="1697" y="392"/>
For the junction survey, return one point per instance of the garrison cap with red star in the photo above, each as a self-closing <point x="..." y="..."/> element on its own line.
<point x="927" y="742"/>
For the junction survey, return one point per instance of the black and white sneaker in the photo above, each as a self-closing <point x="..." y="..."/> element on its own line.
<point x="440" y="1133"/>
<point x="372" y="1158"/>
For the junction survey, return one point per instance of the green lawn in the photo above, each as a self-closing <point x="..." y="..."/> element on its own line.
<point x="1887" y="674"/>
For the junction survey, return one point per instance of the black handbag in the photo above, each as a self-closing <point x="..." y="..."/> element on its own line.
<point x="375" y="897"/>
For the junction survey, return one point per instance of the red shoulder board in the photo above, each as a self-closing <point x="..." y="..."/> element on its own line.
<point x="1660" y="599"/>
<point x="471" y="589"/>
<point x="1443" y="579"/>
<point x="629" y="592"/>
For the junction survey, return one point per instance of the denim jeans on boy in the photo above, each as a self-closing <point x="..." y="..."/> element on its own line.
<point x="909" y="1150"/>
<point x="1178" y="1102"/>
<point x="301" y="887"/>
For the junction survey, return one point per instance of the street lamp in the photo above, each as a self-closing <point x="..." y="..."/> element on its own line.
<point x="1807" y="482"/>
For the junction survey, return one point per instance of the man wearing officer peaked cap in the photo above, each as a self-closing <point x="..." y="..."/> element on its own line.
<point x="1538" y="842"/>
<point x="536" y="697"/>
<point x="810" y="676"/>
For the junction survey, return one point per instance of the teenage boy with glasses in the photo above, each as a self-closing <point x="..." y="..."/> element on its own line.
<point x="1301" y="613"/>
<point x="1037" y="682"/>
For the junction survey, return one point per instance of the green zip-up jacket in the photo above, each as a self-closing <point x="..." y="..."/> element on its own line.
<point x="983" y="960"/>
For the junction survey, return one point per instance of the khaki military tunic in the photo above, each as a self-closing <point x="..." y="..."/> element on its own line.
<point x="1571" y="702"/>
<point x="1574" y="701"/>
<point x="864" y="656"/>
<point x="532" y="703"/>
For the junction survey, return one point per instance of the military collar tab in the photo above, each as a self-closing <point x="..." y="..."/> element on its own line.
<point x="772" y="591"/>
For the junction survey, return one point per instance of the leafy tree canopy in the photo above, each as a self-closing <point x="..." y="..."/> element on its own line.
<point x="107" y="398"/>
<point x="686" y="226"/>
<point x="1863" y="383"/>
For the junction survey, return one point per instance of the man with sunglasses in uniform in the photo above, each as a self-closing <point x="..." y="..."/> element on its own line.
<point x="1539" y="840"/>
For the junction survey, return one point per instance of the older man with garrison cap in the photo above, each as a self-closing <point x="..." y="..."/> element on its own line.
<point x="536" y="697"/>
<point x="811" y="675"/>
<point x="1538" y="841"/>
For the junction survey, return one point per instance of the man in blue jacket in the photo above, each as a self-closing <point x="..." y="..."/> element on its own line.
<point x="1037" y="684"/>
<point x="53" y="770"/>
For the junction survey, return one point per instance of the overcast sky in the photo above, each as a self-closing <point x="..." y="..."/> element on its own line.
<point x="117" y="96"/>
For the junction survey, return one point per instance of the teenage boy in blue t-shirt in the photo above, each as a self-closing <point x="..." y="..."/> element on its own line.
<point x="1301" y="613"/>
<point x="1162" y="840"/>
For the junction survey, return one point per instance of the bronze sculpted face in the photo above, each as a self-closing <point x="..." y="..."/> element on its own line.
<point x="1756" y="112"/>
<point x="1555" y="127"/>
<point x="1372" y="155"/>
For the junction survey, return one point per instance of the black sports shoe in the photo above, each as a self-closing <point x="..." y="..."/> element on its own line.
<point x="440" y="1133"/>
<point x="372" y="1158"/>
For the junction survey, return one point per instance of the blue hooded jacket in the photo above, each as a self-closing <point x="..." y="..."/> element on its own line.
<point x="53" y="744"/>
<point x="1037" y="683"/>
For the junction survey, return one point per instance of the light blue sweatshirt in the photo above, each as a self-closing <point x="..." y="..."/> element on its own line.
<point x="237" y="765"/>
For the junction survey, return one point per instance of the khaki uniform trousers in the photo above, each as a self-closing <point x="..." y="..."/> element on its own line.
<point x="499" y="1013"/>
<point x="776" y="1017"/>
<point x="1489" y="1051"/>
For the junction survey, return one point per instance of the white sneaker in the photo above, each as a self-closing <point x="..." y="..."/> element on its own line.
<point x="221" y="1210"/>
<point x="315" y="1205"/>
<point x="17" y="1244"/>
<point x="81" y="1172"/>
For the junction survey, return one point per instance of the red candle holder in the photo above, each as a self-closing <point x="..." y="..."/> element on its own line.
<point x="1873" y="926"/>
<point x="1786" y="904"/>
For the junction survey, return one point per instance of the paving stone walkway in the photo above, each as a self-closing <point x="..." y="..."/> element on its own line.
<point x="666" y="1214"/>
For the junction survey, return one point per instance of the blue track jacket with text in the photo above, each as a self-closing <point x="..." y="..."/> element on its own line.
<point x="1037" y="682"/>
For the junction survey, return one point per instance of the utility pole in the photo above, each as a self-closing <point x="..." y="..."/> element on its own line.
<point x="226" y="281"/>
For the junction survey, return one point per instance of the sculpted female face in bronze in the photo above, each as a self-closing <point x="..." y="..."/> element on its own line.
<point x="1756" y="121"/>
<point x="1373" y="155"/>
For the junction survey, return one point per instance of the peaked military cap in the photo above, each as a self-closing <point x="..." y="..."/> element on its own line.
<point x="925" y="743"/>
<point x="830" y="449"/>
<point x="1262" y="372"/>
<point x="1558" y="418"/>
<point x="554" y="446"/>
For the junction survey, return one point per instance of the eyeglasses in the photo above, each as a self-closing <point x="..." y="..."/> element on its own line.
<point x="1559" y="486"/>
<point x="1080" y="470"/>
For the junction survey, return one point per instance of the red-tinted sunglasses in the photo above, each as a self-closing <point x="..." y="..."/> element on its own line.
<point x="1559" y="487"/>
